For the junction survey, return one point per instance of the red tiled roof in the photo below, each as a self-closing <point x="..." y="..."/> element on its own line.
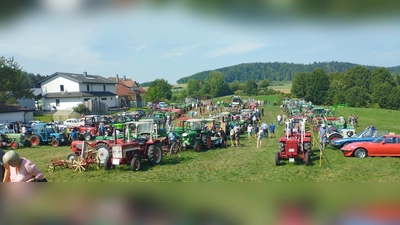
<point x="128" y="83"/>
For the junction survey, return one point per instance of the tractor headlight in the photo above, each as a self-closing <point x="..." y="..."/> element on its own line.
<point x="184" y="135"/>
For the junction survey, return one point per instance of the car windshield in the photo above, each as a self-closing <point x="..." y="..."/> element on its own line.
<point x="378" y="139"/>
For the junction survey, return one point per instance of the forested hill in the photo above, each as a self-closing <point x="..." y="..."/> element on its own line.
<point x="276" y="71"/>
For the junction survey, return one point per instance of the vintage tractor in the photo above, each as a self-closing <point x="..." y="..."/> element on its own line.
<point x="132" y="153"/>
<point x="196" y="134"/>
<point x="46" y="133"/>
<point x="296" y="144"/>
<point x="18" y="139"/>
<point x="90" y="128"/>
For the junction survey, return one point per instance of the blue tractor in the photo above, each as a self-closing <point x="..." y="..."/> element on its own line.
<point x="47" y="133"/>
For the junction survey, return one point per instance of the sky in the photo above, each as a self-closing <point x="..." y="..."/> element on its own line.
<point x="148" y="41"/>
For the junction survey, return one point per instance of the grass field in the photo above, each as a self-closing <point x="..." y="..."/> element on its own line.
<point x="245" y="163"/>
<point x="285" y="88"/>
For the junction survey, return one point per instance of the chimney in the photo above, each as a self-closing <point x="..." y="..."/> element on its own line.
<point x="117" y="78"/>
<point x="124" y="78"/>
<point x="85" y="74"/>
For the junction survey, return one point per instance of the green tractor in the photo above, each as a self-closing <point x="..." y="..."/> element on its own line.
<point x="196" y="134"/>
<point x="15" y="140"/>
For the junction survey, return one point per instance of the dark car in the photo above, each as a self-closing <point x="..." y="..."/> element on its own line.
<point x="366" y="135"/>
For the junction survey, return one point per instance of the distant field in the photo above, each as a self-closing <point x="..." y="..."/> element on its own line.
<point x="282" y="88"/>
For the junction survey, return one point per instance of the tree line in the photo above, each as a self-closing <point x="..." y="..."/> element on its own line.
<point x="358" y="87"/>
<point x="276" y="71"/>
<point x="214" y="86"/>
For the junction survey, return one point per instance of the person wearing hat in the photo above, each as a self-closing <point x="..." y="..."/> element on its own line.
<point x="322" y="136"/>
<point x="20" y="169"/>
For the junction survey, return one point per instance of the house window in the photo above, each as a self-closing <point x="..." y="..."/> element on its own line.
<point x="111" y="98"/>
<point x="57" y="102"/>
<point x="61" y="88"/>
<point x="103" y="99"/>
<point x="104" y="87"/>
<point x="88" y="87"/>
<point x="86" y="99"/>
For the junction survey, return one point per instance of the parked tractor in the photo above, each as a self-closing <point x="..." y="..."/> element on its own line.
<point x="45" y="133"/>
<point x="196" y="134"/>
<point x="132" y="153"/>
<point x="296" y="144"/>
<point x="90" y="128"/>
<point x="15" y="140"/>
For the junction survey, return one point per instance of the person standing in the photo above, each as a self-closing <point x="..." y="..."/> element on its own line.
<point x="279" y="118"/>
<point x="272" y="130"/>
<point x="237" y="137"/>
<point x="249" y="130"/>
<point x="232" y="135"/>
<point x="322" y="136"/>
<point x="260" y="135"/>
<point x="264" y="127"/>
<point x="222" y="135"/>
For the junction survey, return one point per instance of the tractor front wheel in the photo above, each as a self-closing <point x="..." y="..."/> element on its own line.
<point x="87" y="136"/>
<point x="277" y="162"/>
<point x="35" y="140"/>
<point x="55" y="143"/>
<point x="135" y="164"/>
<point x="107" y="163"/>
<point x="14" y="145"/>
<point x="307" y="158"/>
<point x="71" y="157"/>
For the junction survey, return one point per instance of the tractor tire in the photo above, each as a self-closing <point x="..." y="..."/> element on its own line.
<point x="155" y="154"/>
<point x="334" y="137"/>
<point x="277" y="162"/>
<point x="307" y="158"/>
<point x="71" y="157"/>
<point x="197" y="146"/>
<point x="107" y="163"/>
<point x="14" y="145"/>
<point x="87" y="136"/>
<point x="206" y="141"/>
<point x="27" y="143"/>
<point x="135" y="164"/>
<point x="103" y="151"/>
<point x="35" y="140"/>
<point x="55" y="143"/>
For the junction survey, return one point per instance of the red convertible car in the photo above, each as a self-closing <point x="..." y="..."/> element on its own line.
<point x="387" y="145"/>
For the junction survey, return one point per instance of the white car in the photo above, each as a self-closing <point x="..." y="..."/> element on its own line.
<point x="73" y="122"/>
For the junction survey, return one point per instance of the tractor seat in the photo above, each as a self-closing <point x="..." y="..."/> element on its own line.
<point x="142" y="142"/>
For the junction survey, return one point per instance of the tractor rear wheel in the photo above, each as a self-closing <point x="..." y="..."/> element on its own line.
<point x="197" y="146"/>
<point x="277" y="161"/>
<point x="14" y="145"/>
<point x="307" y="158"/>
<point x="55" y="143"/>
<point x="206" y="139"/>
<point x="334" y="137"/>
<point x="103" y="151"/>
<point x="35" y="140"/>
<point x="87" y="136"/>
<point x="135" y="164"/>
<point x="27" y="143"/>
<point x="155" y="154"/>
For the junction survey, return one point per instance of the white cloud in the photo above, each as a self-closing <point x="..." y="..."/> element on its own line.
<point x="182" y="51"/>
<point x="235" y="49"/>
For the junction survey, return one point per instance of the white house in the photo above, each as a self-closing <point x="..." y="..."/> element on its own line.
<point x="14" y="112"/>
<point x="63" y="91"/>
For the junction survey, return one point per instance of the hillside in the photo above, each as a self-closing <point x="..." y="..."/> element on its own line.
<point x="276" y="71"/>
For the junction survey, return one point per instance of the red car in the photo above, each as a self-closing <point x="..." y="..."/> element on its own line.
<point x="387" y="145"/>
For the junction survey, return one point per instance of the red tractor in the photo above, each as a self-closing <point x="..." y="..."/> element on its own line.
<point x="296" y="144"/>
<point x="90" y="128"/>
<point x="134" y="152"/>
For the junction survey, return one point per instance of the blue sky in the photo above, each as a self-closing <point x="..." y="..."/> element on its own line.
<point x="146" y="43"/>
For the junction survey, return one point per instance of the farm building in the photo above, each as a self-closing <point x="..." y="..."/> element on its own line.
<point x="128" y="91"/>
<point x="15" y="112"/>
<point x="63" y="91"/>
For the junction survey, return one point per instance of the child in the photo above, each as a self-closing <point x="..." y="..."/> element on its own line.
<point x="249" y="130"/>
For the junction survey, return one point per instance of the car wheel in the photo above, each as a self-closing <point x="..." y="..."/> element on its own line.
<point x="361" y="153"/>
